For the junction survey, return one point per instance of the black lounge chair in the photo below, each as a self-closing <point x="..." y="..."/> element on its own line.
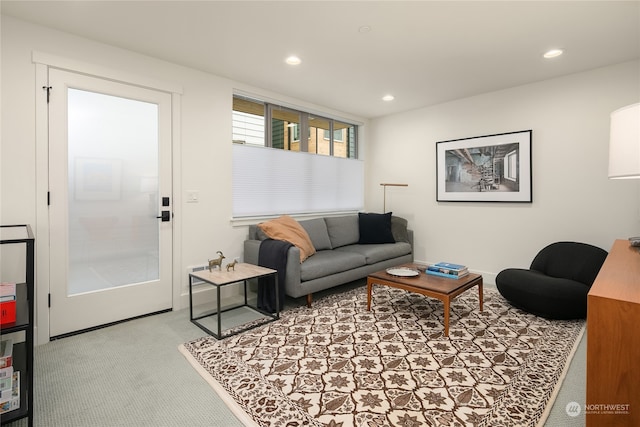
<point x="557" y="283"/>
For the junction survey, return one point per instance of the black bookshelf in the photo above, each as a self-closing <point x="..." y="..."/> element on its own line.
<point x="23" y="350"/>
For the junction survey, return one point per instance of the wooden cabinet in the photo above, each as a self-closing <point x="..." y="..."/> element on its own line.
<point x="17" y="249"/>
<point x="613" y="340"/>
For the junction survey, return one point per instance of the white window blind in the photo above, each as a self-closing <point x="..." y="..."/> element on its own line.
<point x="269" y="181"/>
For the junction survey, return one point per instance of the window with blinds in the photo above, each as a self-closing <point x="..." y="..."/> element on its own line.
<point x="278" y="171"/>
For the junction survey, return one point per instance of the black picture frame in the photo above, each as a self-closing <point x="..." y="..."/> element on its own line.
<point x="489" y="168"/>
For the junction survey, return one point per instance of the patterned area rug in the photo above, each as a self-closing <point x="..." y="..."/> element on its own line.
<point x="338" y="364"/>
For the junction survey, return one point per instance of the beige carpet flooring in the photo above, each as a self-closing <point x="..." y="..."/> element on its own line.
<point x="131" y="374"/>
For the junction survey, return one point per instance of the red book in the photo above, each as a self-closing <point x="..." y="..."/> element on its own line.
<point x="7" y="312"/>
<point x="7" y="289"/>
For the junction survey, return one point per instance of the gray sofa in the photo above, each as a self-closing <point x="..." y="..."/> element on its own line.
<point x="339" y="258"/>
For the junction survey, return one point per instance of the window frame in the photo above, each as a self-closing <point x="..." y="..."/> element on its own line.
<point x="511" y="166"/>
<point x="352" y="128"/>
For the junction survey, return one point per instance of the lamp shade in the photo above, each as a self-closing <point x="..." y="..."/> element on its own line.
<point x="624" y="143"/>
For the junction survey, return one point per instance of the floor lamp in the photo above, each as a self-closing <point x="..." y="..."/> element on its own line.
<point x="384" y="197"/>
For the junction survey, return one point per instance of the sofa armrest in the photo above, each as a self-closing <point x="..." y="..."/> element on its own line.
<point x="292" y="279"/>
<point x="410" y="234"/>
<point x="251" y="251"/>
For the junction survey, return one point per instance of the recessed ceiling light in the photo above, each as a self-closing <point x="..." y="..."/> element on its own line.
<point x="553" y="53"/>
<point x="293" y="60"/>
<point x="388" y="98"/>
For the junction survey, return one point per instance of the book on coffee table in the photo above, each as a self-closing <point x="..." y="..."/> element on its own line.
<point x="451" y="266"/>
<point x="447" y="275"/>
<point x="447" y="269"/>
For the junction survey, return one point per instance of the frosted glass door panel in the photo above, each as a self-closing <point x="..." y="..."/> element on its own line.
<point x="113" y="191"/>
<point x="109" y="179"/>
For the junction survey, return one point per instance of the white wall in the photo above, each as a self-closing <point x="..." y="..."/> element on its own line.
<point x="569" y="116"/>
<point x="204" y="139"/>
<point x="572" y="197"/>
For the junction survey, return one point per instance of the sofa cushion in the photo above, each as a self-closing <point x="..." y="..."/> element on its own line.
<point x="288" y="229"/>
<point x="326" y="263"/>
<point x="317" y="230"/>
<point x="375" y="228"/>
<point x="376" y="253"/>
<point x="260" y="234"/>
<point x="399" y="229"/>
<point x="343" y="230"/>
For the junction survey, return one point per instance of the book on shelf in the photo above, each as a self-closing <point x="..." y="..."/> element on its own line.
<point x="6" y="298"/>
<point x="6" y="372"/>
<point x="447" y="275"/>
<point x="13" y="400"/>
<point x="13" y="391"/>
<point x="7" y="312"/>
<point x="7" y="302"/>
<point x="6" y="353"/>
<point x="10" y="405"/>
<point x="7" y="394"/>
<point x="6" y="376"/>
<point x="7" y="289"/>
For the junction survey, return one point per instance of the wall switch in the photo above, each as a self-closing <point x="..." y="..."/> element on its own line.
<point x="193" y="196"/>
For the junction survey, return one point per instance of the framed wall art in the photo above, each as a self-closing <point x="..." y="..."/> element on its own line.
<point x="490" y="168"/>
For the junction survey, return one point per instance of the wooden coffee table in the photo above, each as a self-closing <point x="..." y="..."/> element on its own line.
<point x="442" y="288"/>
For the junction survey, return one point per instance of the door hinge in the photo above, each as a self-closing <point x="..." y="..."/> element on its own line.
<point x="48" y="198"/>
<point x="48" y="89"/>
<point x="49" y="300"/>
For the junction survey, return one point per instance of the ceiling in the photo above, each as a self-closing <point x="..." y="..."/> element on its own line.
<point x="422" y="52"/>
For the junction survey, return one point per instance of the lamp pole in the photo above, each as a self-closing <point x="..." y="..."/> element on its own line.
<point x="384" y="193"/>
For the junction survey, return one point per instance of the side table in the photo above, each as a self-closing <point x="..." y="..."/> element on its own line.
<point x="219" y="278"/>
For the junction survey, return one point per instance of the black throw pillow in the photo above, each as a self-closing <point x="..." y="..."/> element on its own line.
<point x="375" y="228"/>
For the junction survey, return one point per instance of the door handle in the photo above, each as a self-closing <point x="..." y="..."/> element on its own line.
<point x="165" y="216"/>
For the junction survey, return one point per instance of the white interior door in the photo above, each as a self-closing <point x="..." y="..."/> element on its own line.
<point x="110" y="180"/>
